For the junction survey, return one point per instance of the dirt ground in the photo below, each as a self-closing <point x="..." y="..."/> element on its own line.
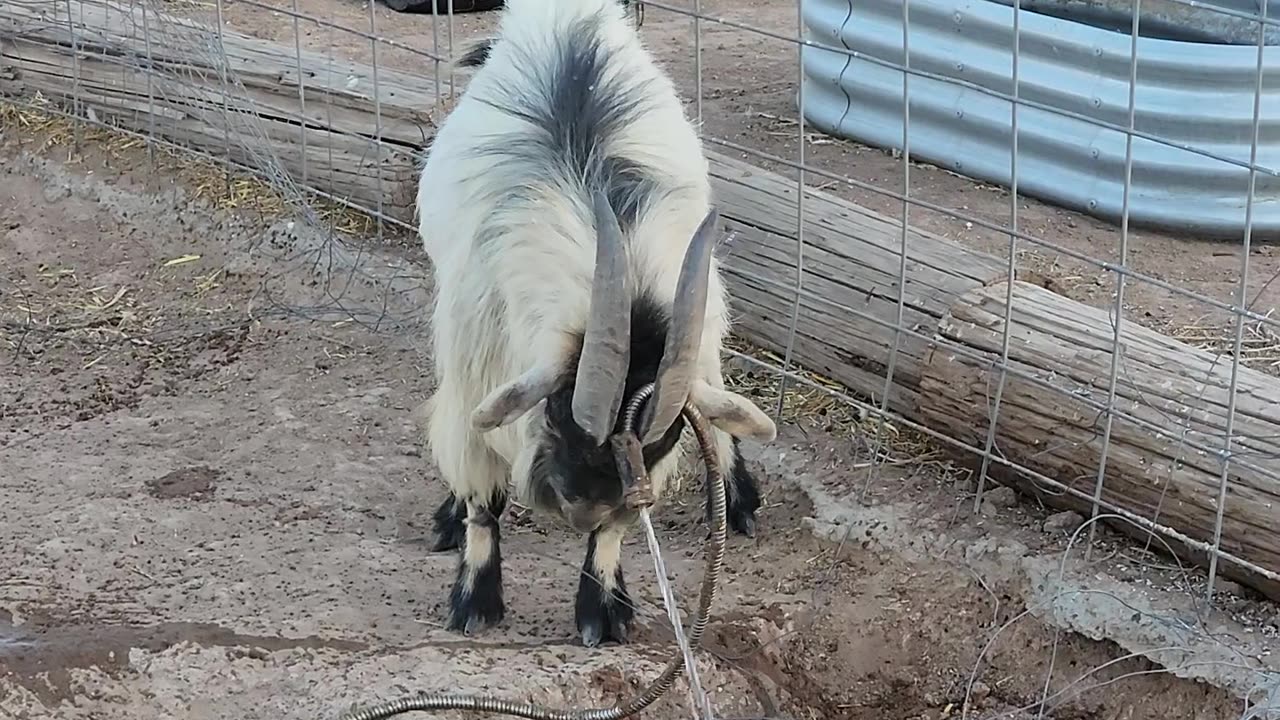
<point x="216" y="502"/>
<point x="216" y="505"/>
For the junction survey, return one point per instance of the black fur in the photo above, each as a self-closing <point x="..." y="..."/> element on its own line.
<point x="601" y="616"/>
<point x="574" y="102"/>
<point x="478" y="54"/>
<point x="449" y="521"/>
<point x="450" y="518"/>
<point x="480" y="605"/>
<point x="742" y="496"/>
<point x="582" y="470"/>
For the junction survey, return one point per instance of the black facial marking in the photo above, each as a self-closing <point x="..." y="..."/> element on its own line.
<point x="601" y="616"/>
<point x="586" y="471"/>
<point x="479" y="604"/>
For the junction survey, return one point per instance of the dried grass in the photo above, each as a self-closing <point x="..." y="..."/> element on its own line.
<point x="210" y="182"/>
<point x="1259" y="347"/>
<point x="815" y="403"/>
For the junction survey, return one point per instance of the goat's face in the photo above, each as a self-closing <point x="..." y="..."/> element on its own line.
<point x="572" y="476"/>
<point x="628" y="342"/>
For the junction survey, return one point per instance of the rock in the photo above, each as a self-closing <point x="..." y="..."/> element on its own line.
<point x="1001" y="496"/>
<point x="980" y="691"/>
<point x="1066" y="522"/>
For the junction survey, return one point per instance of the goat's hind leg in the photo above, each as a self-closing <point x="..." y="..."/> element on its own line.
<point x="449" y="522"/>
<point x="603" y="609"/>
<point x="742" y="491"/>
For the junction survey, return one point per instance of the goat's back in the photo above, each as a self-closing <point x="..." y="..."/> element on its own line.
<point x="568" y="103"/>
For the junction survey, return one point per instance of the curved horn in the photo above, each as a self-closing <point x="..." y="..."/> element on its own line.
<point x="679" y="364"/>
<point x="606" y="345"/>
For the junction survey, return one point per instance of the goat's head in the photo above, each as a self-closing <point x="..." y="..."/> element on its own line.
<point x="568" y="461"/>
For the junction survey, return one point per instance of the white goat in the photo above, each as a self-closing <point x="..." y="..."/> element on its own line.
<point x="565" y="205"/>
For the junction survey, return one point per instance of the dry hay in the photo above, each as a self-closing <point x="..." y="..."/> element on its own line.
<point x="1259" y="346"/>
<point x="218" y="185"/>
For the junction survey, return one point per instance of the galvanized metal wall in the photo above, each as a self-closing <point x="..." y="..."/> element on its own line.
<point x="1194" y="108"/>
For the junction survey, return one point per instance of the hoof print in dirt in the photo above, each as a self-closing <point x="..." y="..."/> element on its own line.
<point x="195" y="482"/>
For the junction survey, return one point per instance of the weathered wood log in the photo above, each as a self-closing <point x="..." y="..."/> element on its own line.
<point x="848" y="321"/>
<point x="1170" y="398"/>
<point x="226" y="94"/>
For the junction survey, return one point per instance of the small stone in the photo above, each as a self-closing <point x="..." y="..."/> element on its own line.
<point x="980" y="691"/>
<point x="1001" y="496"/>
<point x="1063" y="522"/>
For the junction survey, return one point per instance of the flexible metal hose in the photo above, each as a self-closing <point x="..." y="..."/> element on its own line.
<point x="714" y="562"/>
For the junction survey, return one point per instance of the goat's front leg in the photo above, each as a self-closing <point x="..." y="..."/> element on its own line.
<point x="603" y="608"/>
<point x="476" y="600"/>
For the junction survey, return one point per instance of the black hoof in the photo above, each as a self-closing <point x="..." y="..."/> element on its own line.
<point x="740" y="516"/>
<point x="606" y="617"/>
<point x="481" y="607"/>
<point x="743" y="522"/>
<point x="743" y="497"/>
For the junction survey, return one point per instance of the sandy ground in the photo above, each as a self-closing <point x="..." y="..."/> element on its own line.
<point x="216" y="505"/>
<point x="215" y="501"/>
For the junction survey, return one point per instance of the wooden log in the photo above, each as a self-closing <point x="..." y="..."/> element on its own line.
<point x="226" y="94"/>
<point x="848" y="316"/>
<point x="362" y="144"/>
<point x="1170" y="398"/>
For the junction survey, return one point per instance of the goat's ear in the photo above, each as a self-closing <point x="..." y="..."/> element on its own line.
<point x="510" y="401"/>
<point x="733" y="413"/>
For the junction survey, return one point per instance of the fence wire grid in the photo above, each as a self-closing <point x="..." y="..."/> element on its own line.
<point x="1097" y="363"/>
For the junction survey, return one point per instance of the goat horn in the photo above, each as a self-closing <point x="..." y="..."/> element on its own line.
<point x="679" y="364"/>
<point x="606" y="345"/>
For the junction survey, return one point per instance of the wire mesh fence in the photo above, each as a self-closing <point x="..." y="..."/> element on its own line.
<point x="909" y="288"/>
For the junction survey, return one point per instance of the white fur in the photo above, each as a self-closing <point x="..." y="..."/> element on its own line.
<point x="512" y="305"/>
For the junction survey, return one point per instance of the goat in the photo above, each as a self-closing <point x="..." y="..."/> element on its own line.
<point x="565" y="206"/>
